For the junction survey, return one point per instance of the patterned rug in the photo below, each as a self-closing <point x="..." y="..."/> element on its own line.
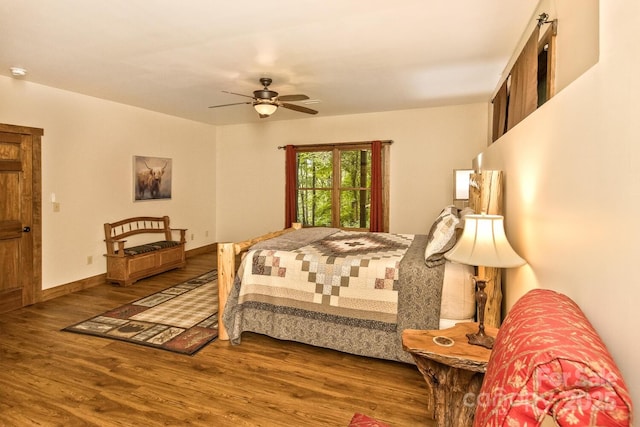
<point x="182" y="318"/>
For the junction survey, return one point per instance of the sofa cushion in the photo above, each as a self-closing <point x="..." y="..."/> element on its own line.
<point x="360" y="420"/>
<point x="149" y="247"/>
<point x="548" y="359"/>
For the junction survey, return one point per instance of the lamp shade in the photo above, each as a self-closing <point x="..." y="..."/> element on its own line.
<point x="484" y="243"/>
<point x="265" y="109"/>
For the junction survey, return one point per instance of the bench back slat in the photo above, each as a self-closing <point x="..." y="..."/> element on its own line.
<point x="137" y="225"/>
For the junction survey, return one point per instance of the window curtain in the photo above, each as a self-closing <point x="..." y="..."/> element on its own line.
<point x="376" y="222"/>
<point x="291" y="185"/>
<point x="500" y="112"/>
<point x="523" y="93"/>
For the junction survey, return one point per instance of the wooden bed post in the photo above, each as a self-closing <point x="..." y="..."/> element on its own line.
<point x="226" y="275"/>
<point x="227" y="253"/>
<point x="485" y="196"/>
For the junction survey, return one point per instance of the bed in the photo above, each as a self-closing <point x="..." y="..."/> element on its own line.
<point x="349" y="291"/>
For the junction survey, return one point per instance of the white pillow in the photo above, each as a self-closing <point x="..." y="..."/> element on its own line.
<point x="458" y="292"/>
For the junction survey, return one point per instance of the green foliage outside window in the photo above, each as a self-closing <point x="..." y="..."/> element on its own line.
<point x="321" y="189"/>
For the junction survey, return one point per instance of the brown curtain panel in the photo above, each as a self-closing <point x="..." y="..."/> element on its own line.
<point x="291" y="185"/>
<point x="500" y="112"/>
<point x="376" y="222"/>
<point x="523" y="93"/>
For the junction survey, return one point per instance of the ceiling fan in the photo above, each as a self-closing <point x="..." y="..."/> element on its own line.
<point x="266" y="101"/>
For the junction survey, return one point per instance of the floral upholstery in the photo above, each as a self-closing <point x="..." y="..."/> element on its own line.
<point x="549" y="360"/>
<point x="360" y="420"/>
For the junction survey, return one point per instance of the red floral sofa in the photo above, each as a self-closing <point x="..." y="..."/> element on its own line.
<point x="549" y="361"/>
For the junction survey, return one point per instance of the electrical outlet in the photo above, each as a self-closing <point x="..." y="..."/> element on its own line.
<point x="56" y="206"/>
<point x="206" y="233"/>
<point x="191" y="236"/>
<point x="89" y="260"/>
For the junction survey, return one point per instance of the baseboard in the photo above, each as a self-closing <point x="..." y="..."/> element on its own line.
<point x="201" y="250"/>
<point x="72" y="287"/>
<point x="101" y="279"/>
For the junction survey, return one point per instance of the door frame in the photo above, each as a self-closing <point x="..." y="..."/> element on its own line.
<point x="33" y="293"/>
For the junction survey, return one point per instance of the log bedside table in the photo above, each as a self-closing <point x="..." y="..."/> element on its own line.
<point x="452" y="368"/>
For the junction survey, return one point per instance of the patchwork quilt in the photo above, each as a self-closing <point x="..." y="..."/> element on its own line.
<point x="346" y="274"/>
<point x="349" y="291"/>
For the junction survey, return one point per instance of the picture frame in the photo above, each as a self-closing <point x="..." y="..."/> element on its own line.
<point x="152" y="178"/>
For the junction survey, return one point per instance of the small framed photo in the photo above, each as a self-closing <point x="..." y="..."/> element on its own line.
<point x="151" y="178"/>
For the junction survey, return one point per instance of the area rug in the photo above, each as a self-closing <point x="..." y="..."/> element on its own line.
<point x="360" y="420"/>
<point x="182" y="318"/>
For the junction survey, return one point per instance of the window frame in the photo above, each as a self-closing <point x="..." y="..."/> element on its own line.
<point x="336" y="149"/>
<point x="548" y="43"/>
<point x="517" y="96"/>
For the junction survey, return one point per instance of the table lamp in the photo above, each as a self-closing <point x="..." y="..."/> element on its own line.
<point x="483" y="243"/>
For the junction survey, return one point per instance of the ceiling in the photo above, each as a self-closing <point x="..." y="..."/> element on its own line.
<point x="352" y="57"/>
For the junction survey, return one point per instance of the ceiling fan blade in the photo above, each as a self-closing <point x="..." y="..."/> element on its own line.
<point x="239" y="94"/>
<point x="298" y="108"/>
<point x="227" y="105"/>
<point x="293" y="97"/>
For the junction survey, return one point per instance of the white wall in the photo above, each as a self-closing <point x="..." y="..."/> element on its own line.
<point x="87" y="153"/>
<point x="573" y="188"/>
<point x="428" y="145"/>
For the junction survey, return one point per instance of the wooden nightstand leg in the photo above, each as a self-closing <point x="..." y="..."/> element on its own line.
<point x="448" y="402"/>
<point x="431" y="378"/>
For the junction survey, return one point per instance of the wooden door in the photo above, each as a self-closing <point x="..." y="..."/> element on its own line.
<point x="20" y="217"/>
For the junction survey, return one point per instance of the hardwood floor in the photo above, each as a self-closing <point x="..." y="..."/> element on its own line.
<point x="54" y="378"/>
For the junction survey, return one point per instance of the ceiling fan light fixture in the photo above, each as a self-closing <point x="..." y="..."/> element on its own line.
<point x="265" y="109"/>
<point x="266" y="101"/>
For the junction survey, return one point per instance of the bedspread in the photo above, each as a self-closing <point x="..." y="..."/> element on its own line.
<point x="350" y="291"/>
<point x="345" y="275"/>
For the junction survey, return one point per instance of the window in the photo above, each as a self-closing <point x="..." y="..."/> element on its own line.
<point x="546" y="64"/>
<point x="530" y="82"/>
<point x="333" y="186"/>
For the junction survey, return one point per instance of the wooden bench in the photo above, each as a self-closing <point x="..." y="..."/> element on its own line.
<point x="127" y="264"/>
